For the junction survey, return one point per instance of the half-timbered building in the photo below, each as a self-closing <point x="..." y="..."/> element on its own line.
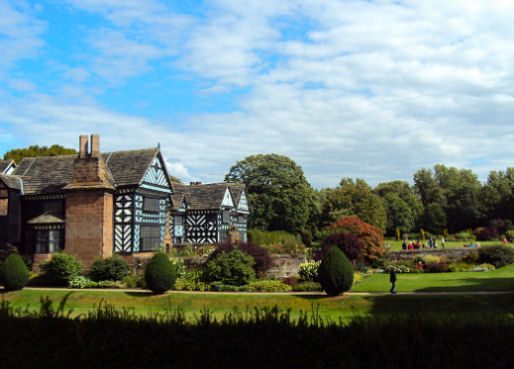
<point x="202" y="213"/>
<point x="91" y="204"/>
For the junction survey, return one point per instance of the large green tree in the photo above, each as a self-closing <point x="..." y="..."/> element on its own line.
<point x="280" y="196"/>
<point x="35" y="150"/>
<point x="497" y="195"/>
<point x="352" y="198"/>
<point x="404" y="209"/>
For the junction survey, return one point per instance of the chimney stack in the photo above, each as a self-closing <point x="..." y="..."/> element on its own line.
<point x="95" y="146"/>
<point x="83" y="146"/>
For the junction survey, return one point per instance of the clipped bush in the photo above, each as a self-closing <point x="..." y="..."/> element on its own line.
<point x="497" y="255"/>
<point x="130" y="281"/>
<point x="261" y="257"/>
<point x="114" y="268"/>
<point x="268" y="286"/>
<point x="160" y="273"/>
<point x="233" y="268"/>
<point x="335" y="272"/>
<point x="346" y="242"/>
<point x="291" y="281"/>
<point x="309" y="271"/>
<point x="14" y="274"/>
<point x="61" y="269"/>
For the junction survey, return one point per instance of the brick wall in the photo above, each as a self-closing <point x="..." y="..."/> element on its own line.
<point x="89" y="228"/>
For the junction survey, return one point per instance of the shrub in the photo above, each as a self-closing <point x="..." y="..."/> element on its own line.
<point x="14" y="274"/>
<point x="81" y="282"/>
<point x="275" y="237"/>
<point x="510" y="235"/>
<point x="346" y="242"/>
<point x="371" y="237"/>
<point x="291" y="281"/>
<point x="438" y="267"/>
<point x="114" y="268"/>
<point x="130" y="281"/>
<point x="268" y="286"/>
<point x="220" y="287"/>
<point x="261" y="257"/>
<point x="464" y="236"/>
<point x="234" y="268"/>
<point x="308" y="287"/>
<point x="488" y="233"/>
<point x="160" y="273"/>
<point x="309" y="271"/>
<point x="497" y="255"/>
<point x="472" y="257"/>
<point x="61" y="269"/>
<point x="335" y="272"/>
<point x="399" y="266"/>
<point x="187" y="285"/>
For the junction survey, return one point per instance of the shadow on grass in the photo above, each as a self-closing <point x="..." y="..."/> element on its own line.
<point x="474" y="284"/>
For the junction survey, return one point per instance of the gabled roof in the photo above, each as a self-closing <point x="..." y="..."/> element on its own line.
<point x="206" y="196"/>
<point x="46" y="218"/>
<point x="11" y="181"/>
<point x="50" y="174"/>
<point x="6" y="165"/>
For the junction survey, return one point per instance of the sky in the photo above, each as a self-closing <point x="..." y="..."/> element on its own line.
<point x="363" y="89"/>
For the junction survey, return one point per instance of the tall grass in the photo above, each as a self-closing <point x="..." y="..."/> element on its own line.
<point x="254" y="338"/>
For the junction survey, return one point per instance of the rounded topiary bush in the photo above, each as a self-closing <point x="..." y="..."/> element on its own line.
<point x="14" y="274"/>
<point x="261" y="256"/>
<point x="160" y="273"/>
<point x="61" y="269"/>
<point x="497" y="255"/>
<point x="114" y="268"/>
<point x="233" y="268"/>
<point x="335" y="272"/>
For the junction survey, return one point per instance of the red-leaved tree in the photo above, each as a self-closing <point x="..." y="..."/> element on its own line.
<point x="371" y="237"/>
<point x="347" y="243"/>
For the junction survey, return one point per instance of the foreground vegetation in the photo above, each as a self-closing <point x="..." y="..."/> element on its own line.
<point x="265" y="337"/>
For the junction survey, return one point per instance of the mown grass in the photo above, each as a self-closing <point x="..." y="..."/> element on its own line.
<point x="502" y="279"/>
<point x="344" y="307"/>
<point x="397" y="245"/>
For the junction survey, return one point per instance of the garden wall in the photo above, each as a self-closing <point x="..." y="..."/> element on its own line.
<point x="282" y="265"/>
<point x="449" y="253"/>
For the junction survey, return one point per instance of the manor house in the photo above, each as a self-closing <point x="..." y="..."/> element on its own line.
<point x="95" y="204"/>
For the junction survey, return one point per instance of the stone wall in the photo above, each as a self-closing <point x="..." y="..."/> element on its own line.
<point x="282" y="265"/>
<point x="449" y="253"/>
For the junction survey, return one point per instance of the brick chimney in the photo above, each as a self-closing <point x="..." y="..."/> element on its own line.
<point x="89" y="205"/>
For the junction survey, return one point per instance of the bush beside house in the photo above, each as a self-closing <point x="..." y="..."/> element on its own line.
<point x="14" y="274"/>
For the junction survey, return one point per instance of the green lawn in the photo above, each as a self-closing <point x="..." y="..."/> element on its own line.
<point x="501" y="279"/>
<point x="397" y="245"/>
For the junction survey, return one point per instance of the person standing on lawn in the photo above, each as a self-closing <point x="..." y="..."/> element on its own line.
<point x="392" y="279"/>
<point x="442" y="242"/>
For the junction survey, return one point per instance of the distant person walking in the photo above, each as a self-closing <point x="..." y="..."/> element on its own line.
<point x="392" y="279"/>
<point x="430" y="243"/>
<point x="442" y="242"/>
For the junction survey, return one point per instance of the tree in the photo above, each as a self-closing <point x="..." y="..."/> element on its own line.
<point x="372" y="237"/>
<point x="403" y="208"/>
<point x="35" y="150"/>
<point x="174" y="179"/>
<point x="352" y="198"/>
<point x="280" y="196"/>
<point x="497" y="195"/>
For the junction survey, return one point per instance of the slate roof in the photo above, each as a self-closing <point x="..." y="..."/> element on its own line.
<point x="4" y="164"/>
<point x="50" y="174"/>
<point x="11" y="181"/>
<point x="179" y="193"/>
<point x="46" y="218"/>
<point x="205" y="196"/>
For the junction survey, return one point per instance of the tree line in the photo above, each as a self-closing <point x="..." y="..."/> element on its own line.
<point x="442" y="199"/>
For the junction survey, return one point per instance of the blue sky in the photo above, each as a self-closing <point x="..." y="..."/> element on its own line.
<point x="368" y="89"/>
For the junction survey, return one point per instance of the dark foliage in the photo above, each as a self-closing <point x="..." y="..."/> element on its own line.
<point x="61" y="269"/>
<point x="335" y="272"/>
<point x="106" y="337"/>
<point x="160" y="273"/>
<point x="497" y="255"/>
<point x="259" y="254"/>
<point x="232" y="268"/>
<point x="346" y="242"/>
<point x="14" y="274"/>
<point x="440" y="267"/>
<point x="488" y="233"/>
<point x="114" y="268"/>
<point x="292" y="281"/>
